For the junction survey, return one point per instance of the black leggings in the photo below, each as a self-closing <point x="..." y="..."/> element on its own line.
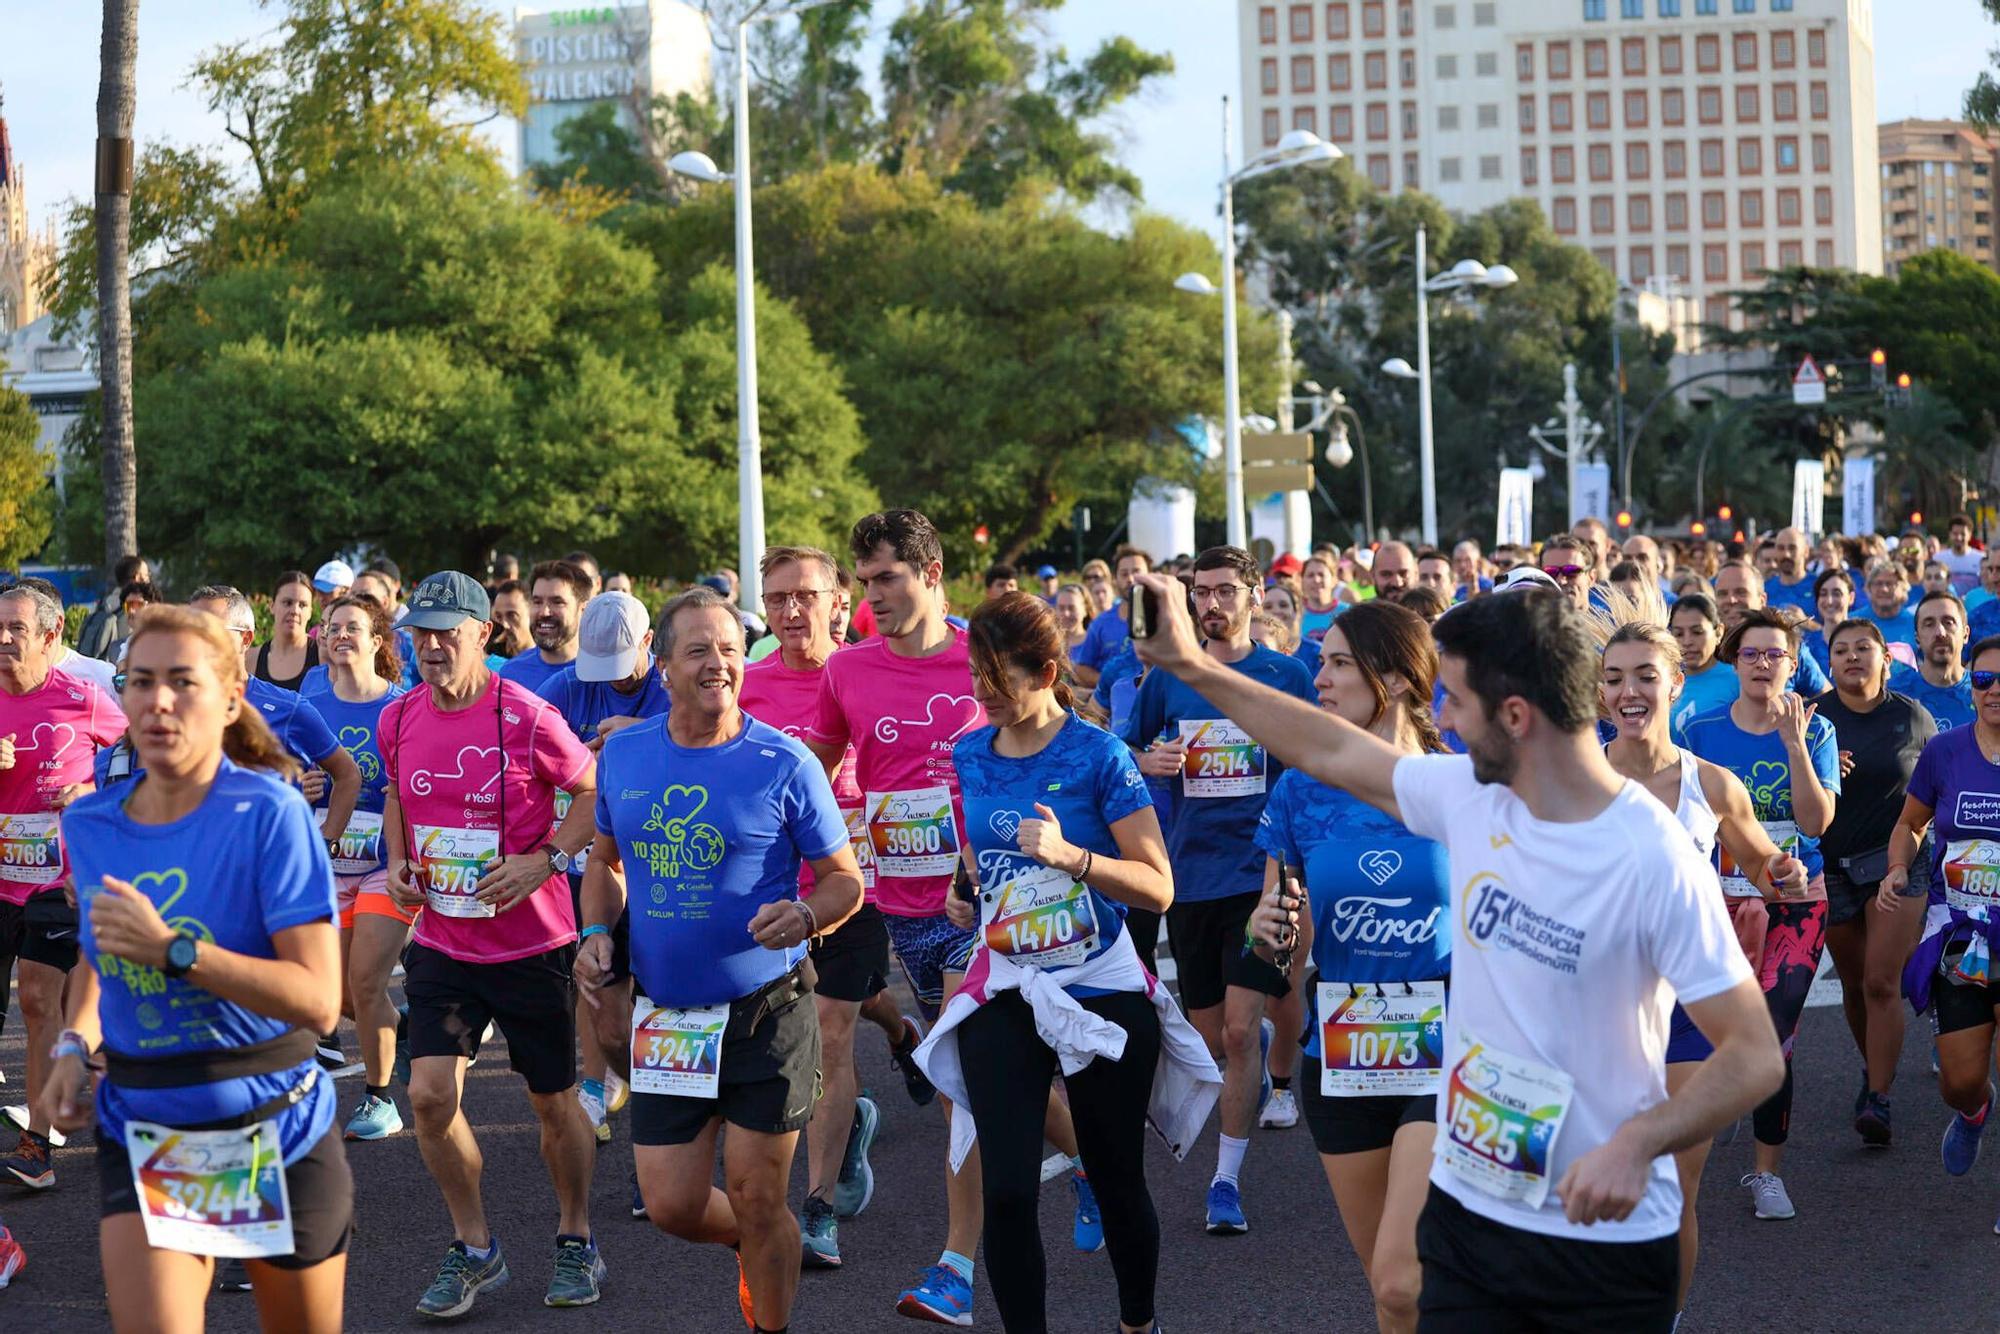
<point x="1007" y="1073"/>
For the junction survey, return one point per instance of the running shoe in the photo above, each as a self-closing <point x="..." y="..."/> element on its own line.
<point x="1267" y="1033"/>
<point x="1089" y="1235"/>
<point x="942" y="1296"/>
<point x="331" y="1057"/>
<point x="375" y="1118"/>
<point x="856" y="1185"/>
<point x="616" y="1093"/>
<point x="922" y="1091"/>
<point x="12" y="1258"/>
<point x="819" y="1235"/>
<point x="580" y="1274"/>
<point x="459" y="1280"/>
<point x="231" y="1276"/>
<point x="593" y="1108"/>
<point x="1767" y="1195"/>
<point x="29" y="1164"/>
<point x="1960" y="1149"/>
<point x="1872" y="1121"/>
<point x="1282" y="1112"/>
<point x="638" y="1199"/>
<point x="1225" y="1210"/>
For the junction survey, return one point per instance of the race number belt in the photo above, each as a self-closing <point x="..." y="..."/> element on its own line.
<point x="1041" y="917"/>
<point x="1221" y="760"/>
<point x="675" y="1051"/>
<point x="912" y="832"/>
<point x="449" y="863"/>
<point x="1501" y="1117"/>
<point x="1380" y="1038"/>
<point x="30" y="847"/>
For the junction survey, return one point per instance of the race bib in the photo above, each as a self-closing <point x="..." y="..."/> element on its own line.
<point x="677" y="1052"/>
<point x="1737" y="885"/>
<point x="1042" y="918"/>
<point x="212" y="1192"/>
<point x="449" y="863"/>
<point x="1379" y="1038"/>
<point x="360" y="848"/>
<point x="30" y="848"/>
<point x="1221" y="760"/>
<point x="912" y="833"/>
<point x="1501" y="1117"/>
<point x="857" y="839"/>
<point x="1972" y="873"/>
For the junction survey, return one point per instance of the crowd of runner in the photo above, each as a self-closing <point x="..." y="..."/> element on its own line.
<point x="1507" y="874"/>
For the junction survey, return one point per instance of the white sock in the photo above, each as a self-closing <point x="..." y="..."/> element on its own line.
<point x="1229" y="1158"/>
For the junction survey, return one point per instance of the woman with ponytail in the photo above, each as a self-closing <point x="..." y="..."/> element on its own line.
<point x="207" y="908"/>
<point x="1375" y="922"/>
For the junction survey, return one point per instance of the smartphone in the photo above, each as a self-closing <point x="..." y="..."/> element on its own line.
<point x="1291" y="889"/>
<point x="961" y="882"/>
<point x="1142" y="611"/>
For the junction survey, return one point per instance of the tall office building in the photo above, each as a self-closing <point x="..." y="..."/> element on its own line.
<point x="1937" y="190"/>
<point x="1689" y="144"/>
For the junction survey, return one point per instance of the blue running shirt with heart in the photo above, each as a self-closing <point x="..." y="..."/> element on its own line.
<point x="1761" y="763"/>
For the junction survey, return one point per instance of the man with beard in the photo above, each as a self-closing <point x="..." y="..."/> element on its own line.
<point x="1224" y="777"/>
<point x="556" y="592"/>
<point x="1789" y="585"/>
<point x="1938" y="681"/>
<point x="1581" y="908"/>
<point x="510" y="622"/>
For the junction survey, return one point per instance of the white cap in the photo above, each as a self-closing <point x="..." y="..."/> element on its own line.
<point x="334" y="574"/>
<point x="1524" y="577"/>
<point x="610" y="636"/>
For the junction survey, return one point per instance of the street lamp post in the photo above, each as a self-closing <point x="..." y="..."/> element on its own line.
<point x="1299" y="148"/>
<point x="1462" y="276"/>
<point x="749" y="439"/>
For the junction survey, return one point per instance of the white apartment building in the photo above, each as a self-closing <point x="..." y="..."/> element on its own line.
<point x="1689" y="144"/>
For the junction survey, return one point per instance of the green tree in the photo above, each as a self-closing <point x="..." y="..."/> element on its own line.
<point x="599" y="151"/>
<point x="1982" y="100"/>
<point x="26" y="498"/>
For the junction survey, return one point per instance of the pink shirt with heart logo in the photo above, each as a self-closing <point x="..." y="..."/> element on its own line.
<point x="58" y="728"/>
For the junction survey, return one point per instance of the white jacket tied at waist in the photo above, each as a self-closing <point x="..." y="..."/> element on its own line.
<point x="1186" y="1083"/>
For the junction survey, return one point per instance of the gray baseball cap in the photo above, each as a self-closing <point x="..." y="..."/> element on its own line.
<point x="609" y="636"/>
<point x="445" y="599"/>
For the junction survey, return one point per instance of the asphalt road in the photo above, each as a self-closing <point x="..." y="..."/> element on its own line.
<point x="1883" y="1240"/>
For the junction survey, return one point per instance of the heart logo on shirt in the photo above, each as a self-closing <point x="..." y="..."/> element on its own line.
<point x="1005" y="823"/>
<point x="1380" y="865"/>
<point x="171" y="883"/>
<point x="1770" y="784"/>
<point x="354" y="738"/>
<point x="61" y="736"/>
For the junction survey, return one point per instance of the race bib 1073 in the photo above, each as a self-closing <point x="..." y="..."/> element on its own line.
<point x="1380" y="1038"/>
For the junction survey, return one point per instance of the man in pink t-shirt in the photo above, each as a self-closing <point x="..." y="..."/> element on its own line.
<point x="51" y="726"/>
<point x="474" y="764"/>
<point x="803" y="595"/>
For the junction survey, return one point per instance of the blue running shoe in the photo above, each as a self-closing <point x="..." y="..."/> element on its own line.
<point x="819" y="1235"/>
<point x="1089" y="1223"/>
<point x="374" y="1118"/>
<point x="638" y="1199"/>
<point x="460" y="1279"/>
<point x="856" y="1183"/>
<point x="1960" y="1149"/>
<point x="942" y="1296"/>
<point x="1225" y="1210"/>
<point x="1267" y="1033"/>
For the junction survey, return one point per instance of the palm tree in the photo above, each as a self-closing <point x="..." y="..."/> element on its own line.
<point x="117" y="94"/>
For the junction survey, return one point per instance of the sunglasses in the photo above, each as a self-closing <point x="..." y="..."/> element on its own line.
<point x="1984" y="681"/>
<point x="1562" y="571"/>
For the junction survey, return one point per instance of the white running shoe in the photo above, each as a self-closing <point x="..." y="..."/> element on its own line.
<point x="1282" y="1112"/>
<point x="1767" y="1193"/>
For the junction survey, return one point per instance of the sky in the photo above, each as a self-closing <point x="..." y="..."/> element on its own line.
<point x="1927" y="53"/>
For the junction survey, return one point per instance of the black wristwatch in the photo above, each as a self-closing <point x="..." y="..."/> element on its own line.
<point x="181" y="951"/>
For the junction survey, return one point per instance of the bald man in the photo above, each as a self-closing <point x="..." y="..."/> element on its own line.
<point x="1395" y="568"/>
<point x="1788" y="584"/>
<point x="1645" y="553"/>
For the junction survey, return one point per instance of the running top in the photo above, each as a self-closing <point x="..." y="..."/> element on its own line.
<point x="263" y="672"/>
<point x="1949" y="706"/>
<point x="241" y="867"/>
<point x="1719" y="685"/>
<point x="709" y="835"/>
<point x="356" y="727"/>
<point x="298" y="725"/>
<point x="528" y="668"/>
<point x="1378" y="894"/>
<point x="585" y="704"/>
<point x="1900" y="628"/>
<point x="1884" y="744"/>
<point x="1106" y="634"/>
<point x="58" y="728"/>
<point x="1778" y="593"/>
<point x="1765" y="768"/>
<point x="1693" y="810"/>
<point x="786" y="699"/>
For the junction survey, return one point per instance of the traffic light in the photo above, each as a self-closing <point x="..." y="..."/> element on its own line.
<point x="1722" y="512"/>
<point x="1698" y="528"/>
<point x="1624" y="518"/>
<point x="1916" y="518"/>
<point x="1878" y="369"/>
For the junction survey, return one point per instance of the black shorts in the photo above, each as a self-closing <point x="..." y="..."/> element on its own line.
<point x="43" y="930"/>
<point x="853" y="960"/>
<point x="532" y="1000"/>
<point x="319" y="1186"/>
<point x="1483" y="1277"/>
<point x="770" y="1070"/>
<point x="1208" y="942"/>
<point x="1357" y="1125"/>
<point x="1958" y="1006"/>
<point x="1845" y="899"/>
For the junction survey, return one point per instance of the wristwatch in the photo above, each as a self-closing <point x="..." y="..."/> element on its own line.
<point x="559" y="861"/>
<point x="181" y="952"/>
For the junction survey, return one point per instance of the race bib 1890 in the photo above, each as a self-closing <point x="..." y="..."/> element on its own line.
<point x="449" y="863"/>
<point x="677" y="1052"/>
<point x="1380" y="1038"/>
<point x="1501" y="1116"/>
<point x="1042" y="917"/>
<point x="1972" y="873"/>
<point x="1221" y="760"/>
<point x="913" y="833"/>
<point x="212" y="1192"/>
<point x="30" y="848"/>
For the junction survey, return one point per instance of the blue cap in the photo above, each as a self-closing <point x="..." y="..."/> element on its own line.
<point x="446" y="599"/>
<point x="716" y="582"/>
<point x="1047" y="572"/>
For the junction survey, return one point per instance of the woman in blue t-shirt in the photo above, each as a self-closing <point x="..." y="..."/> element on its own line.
<point x="208" y="923"/>
<point x="1379" y="931"/>
<point x="1833" y="598"/>
<point x="1789" y="760"/>
<point x="1060" y="838"/>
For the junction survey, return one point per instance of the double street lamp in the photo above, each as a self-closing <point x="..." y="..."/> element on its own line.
<point x="749" y="442"/>
<point x="1464" y="276"/>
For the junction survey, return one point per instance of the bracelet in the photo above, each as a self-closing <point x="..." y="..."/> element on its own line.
<point x="69" y="1042"/>
<point x="593" y="930"/>
<point x="1088" y="858"/>
<point x="812" y="919"/>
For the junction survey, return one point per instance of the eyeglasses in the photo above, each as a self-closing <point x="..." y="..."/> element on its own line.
<point x="804" y="599"/>
<point x="1750" y="657"/>
<point x="1223" y="595"/>
<point x="1984" y="681"/>
<point x="1563" y="571"/>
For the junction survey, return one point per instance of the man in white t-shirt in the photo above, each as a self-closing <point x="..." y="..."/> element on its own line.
<point x="1580" y="909"/>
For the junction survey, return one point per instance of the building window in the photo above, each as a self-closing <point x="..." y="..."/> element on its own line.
<point x="1445" y="16"/>
<point x="1815" y="47"/>
<point x="1676" y="212"/>
<point x="1267" y="26"/>
<point x="1407" y="64"/>
<point x="1302" y="74"/>
<point x="1558" y="60"/>
<point x="1529" y="167"/>
<point x="1603" y="213"/>
<point x="1489" y="116"/>
<point x="1822" y="205"/>
<point x="1485" y="15"/>
<point x="1711" y="157"/>
<point x="1409" y="120"/>
<point x="1524" y="62"/>
<point x="1599" y="157"/>
<point x="1378" y="170"/>
<point x="1785" y="102"/>
<point x="1526" y="106"/>
<point x="1340" y="73"/>
<point x="1489" y="167"/>
<point x="1302" y="23"/>
<point x="1562" y="164"/>
<point x="1704" y="6"/>
<point x="1822" y="153"/>
<point x="1753" y="258"/>
<point x="1596" y="60"/>
<point x="1632" y="9"/>
<point x="1336" y="22"/>
<point x="1562" y="216"/>
<point x="1375" y="69"/>
<point x="1750" y="208"/>
<point x="1749" y="156"/>
<point x="1746" y="6"/>
<point x="1412" y="172"/>
<point x="1670" y="55"/>
<point x="1673" y="106"/>
<point x="1674" y="159"/>
<point x="1406" y="20"/>
<point x="1597" y="110"/>
<point x="1641" y="263"/>
<point x="1267" y="77"/>
<point x="1304" y="118"/>
<point x="1781" y="6"/>
<point x="1746" y="106"/>
<point x="1373" y="24"/>
<point x="1786" y="151"/>
<point x="1271" y="126"/>
<point x="1707" y="54"/>
<point x="1715" y="262"/>
<point x="1606" y="256"/>
<point x="1632" y="54"/>
<point x="1340" y="124"/>
<point x="1746" y="50"/>
<point x="1447" y="118"/>
<point x="1593" y="11"/>
<point x="1677" y="262"/>
<point x="1789" y="212"/>
<point x="1559" y="113"/>
<point x="1378" y="121"/>
<point x="1823" y="254"/>
<point x="1447" y="67"/>
<point x="1639" y="213"/>
<point x="1708" y="105"/>
<point x="1638" y="162"/>
<point x="1635" y="110"/>
<point x="1816" y="100"/>
<point x="1784" y="51"/>
<point x="1670" y="9"/>
<point x="1714" y="209"/>
<point x="1486" y="64"/>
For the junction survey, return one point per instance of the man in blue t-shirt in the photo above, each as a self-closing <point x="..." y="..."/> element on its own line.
<point x="1223" y="777"/>
<point x="556" y="594"/>
<point x="1789" y="585"/>
<point x="709" y="812"/>
<point x="1739" y="589"/>
<point x="1938" y="681"/>
<point x="1108" y="632"/>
